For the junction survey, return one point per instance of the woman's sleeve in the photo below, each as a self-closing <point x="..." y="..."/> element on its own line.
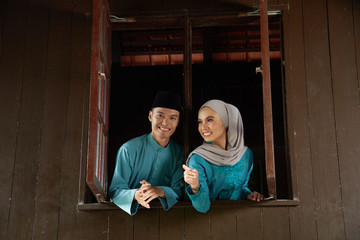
<point x="119" y="190"/>
<point x="201" y="200"/>
<point x="245" y="191"/>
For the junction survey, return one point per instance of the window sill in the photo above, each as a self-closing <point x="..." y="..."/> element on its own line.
<point x="218" y="203"/>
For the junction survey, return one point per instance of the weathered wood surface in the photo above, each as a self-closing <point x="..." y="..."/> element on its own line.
<point x="44" y="95"/>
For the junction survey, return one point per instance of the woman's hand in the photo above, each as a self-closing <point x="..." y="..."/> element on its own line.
<point x="255" y="196"/>
<point x="191" y="177"/>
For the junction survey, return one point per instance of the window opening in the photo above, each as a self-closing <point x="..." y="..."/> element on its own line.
<point x="223" y="60"/>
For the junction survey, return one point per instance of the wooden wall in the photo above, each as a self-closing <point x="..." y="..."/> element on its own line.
<point x="44" y="91"/>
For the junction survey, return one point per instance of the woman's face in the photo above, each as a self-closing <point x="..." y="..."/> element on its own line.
<point x="211" y="127"/>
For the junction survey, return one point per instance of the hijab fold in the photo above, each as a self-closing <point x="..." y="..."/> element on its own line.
<point x="235" y="147"/>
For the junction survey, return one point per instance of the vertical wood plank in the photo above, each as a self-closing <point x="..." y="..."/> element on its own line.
<point x="346" y="107"/>
<point x="30" y="123"/>
<point x="330" y="219"/>
<point x="197" y="225"/>
<point x="54" y="120"/>
<point x="250" y="224"/>
<point x="2" y="23"/>
<point x="223" y="223"/>
<point x="302" y="218"/>
<point x="172" y="224"/>
<point x="187" y="83"/>
<point x="76" y="118"/>
<point x="13" y="17"/>
<point x="120" y="225"/>
<point x="146" y="224"/>
<point x="276" y="223"/>
<point x="356" y="15"/>
<point x="94" y="225"/>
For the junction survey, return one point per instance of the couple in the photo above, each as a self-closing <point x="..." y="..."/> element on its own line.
<point x="150" y="166"/>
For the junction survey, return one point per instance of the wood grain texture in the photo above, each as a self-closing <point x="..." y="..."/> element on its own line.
<point x="346" y="108"/>
<point x="302" y="218"/>
<point x="76" y="114"/>
<point x="171" y="225"/>
<point x="324" y="152"/>
<point x="51" y="156"/>
<point x="276" y="223"/>
<point x="146" y="224"/>
<point x="223" y="223"/>
<point x="44" y="96"/>
<point x="121" y="225"/>
<point x="197" y="225"/>
<point x="30" y="121"/>
<point x="250" y="223"/>
<point x="11" y="69"/>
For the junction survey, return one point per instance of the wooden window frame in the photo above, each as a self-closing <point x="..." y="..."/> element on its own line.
<point x="96" y="174"/>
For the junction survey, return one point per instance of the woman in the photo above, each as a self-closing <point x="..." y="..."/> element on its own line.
<point x="220" y="168"/>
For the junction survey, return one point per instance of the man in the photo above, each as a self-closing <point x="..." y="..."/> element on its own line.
<point x="150" y="166"/>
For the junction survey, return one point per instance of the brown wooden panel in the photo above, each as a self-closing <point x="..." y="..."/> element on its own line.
<point x="54" y="119"/>
<point x="175" y="5"/>
<point x="276" y="223"/>
<point x="94" y="225"/>
<point x="77" y="113"/>
<point x="302" y="218"/>
<point x="197" y="225"/>
<point x="120" y="225"/>
<point x="2" y="22"/>
<point x="146" y="224"/>
<point x="11" y="68"/>
<point x="328" y="202"/>
<point x="356" y="13"/>
<point x="223" y="223"/>
<point x="250" y="223"/>
<point x="30" y="120"/>
<point x="172" y="224"/>
<point x="346" y="108"/>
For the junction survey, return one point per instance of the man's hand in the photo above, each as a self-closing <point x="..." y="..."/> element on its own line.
<point x="255" y="196"/>
<point x="146" y="193"/>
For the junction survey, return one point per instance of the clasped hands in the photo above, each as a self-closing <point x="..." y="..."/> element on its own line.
<point x="146" y="193"/>
<point x="191" y="177"/>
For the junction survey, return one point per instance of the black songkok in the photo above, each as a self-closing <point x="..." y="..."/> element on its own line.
<point x="167" y="100"/>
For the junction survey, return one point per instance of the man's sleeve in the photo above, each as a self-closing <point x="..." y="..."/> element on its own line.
<point x="119" y="190"/>
<point x="174" y="192"/>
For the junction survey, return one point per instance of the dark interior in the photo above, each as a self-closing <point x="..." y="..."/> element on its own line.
<point x="134" y="87"/>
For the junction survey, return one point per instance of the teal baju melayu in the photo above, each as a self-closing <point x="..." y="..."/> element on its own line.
<point x="142" y="158"/>
<point x="220" y="182"/>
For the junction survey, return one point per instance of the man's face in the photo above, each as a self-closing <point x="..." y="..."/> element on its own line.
<point x="163" y="122"/>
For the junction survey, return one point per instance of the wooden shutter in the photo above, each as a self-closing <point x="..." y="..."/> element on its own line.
<point x="268" y="119"/>
<point x="96" y="177"/>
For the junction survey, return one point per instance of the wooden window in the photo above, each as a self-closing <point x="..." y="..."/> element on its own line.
<point x="190" y="28"/>
<point x="96" y="177"/>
